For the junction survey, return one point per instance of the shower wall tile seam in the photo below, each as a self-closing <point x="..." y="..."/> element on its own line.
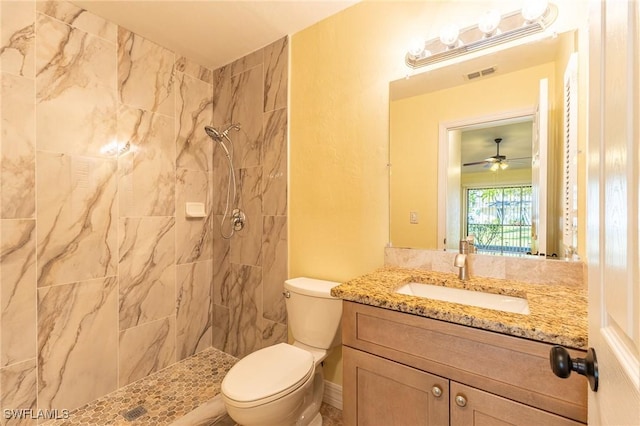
<point x="77" y="155"/>
<point x="245" y="264"/>
<point x="22" y="26"/>
<point x="270" y="111"/>
<point x="75" y="15"/>
<point x="14" y="74"/>
<point x="245" y="70"/>
<point x="22" y="361"/>
<point x="137" y="107"/>
<point x="74" y="27"/>
<point x="159" y="216"/>
<point x="147" y="323"/>
<point x="79" y="282"/>
<point x="185" y="63"/>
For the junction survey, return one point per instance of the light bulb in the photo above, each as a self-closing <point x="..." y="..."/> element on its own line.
<point x="489" y="22"/>
<point x="534" y="9"/>
<point x="449" y="35"/>
<point x="494" y="167"/>
<point x="503" y="165"/>
<point x="416" y="47"/>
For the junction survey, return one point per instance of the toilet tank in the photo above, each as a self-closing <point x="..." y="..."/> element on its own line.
<point x="313" y="315"/>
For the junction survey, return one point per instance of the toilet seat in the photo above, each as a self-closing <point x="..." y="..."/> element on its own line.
<point x="266" y="375"/>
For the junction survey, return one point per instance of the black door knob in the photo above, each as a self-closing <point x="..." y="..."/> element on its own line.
<point x="562" y="365"/>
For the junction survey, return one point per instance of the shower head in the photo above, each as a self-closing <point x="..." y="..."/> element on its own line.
<point x="213" y="133"/>
<point x="217" y="135"/>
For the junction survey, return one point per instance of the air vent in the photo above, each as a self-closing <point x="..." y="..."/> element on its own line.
<point x="482" y="73"/>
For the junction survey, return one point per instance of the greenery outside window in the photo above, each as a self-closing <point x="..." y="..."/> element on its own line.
<point x="499" y="218"/>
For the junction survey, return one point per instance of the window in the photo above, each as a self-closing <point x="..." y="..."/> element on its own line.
<point x="499" y="218"/>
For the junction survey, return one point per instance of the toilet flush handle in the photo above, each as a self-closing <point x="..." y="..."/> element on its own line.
<point x="286" y="294"/>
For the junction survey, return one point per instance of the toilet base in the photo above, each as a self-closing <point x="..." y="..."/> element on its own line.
<point x="312" y="410"/>
<point x="300" y="408"/>
<point x="317" y="420"/>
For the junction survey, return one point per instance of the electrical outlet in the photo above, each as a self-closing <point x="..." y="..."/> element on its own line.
<point x="413" y="218"/>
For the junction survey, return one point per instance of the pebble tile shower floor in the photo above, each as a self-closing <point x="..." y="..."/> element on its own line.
<point x="184" y="394"/>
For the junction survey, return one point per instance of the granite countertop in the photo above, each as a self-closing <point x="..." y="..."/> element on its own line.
<point x="558" y="314"/>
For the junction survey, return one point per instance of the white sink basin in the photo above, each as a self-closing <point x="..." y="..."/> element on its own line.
<point x="498" y="302"/>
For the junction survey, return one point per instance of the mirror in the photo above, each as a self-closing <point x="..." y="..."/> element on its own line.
<point x="449" y="178"/>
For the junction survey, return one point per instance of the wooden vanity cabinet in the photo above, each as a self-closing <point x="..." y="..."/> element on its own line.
<point x="403" y="369"/>
<point x="383" y="392"/>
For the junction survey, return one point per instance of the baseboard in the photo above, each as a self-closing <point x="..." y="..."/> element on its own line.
<point x="332" y="395"/>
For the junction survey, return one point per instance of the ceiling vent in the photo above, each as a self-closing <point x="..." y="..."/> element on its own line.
<point x="482" y="73"/>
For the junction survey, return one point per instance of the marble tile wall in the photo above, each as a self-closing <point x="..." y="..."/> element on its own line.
<point x="529" y="270"/>
<point x="248" y="307"/>
<point x="102" y="278"/>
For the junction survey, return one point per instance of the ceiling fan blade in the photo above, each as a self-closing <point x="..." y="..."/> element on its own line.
<point x="519" y="158"/>
<point x="475" y="163"/>
<point x="493" y="159"/>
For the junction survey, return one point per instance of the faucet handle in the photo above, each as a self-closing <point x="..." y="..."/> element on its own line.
<point x="471" y="241"/>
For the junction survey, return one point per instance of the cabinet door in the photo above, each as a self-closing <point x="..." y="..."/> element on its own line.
<point x="382" y="392"/>
<point x="484" y="409"/>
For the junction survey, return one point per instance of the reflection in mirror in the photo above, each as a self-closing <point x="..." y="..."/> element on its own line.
<point x="495" y="186"/>
<point x="450" y="179"/>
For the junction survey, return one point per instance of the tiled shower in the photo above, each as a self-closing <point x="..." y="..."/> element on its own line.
<point x="103" y="278"/>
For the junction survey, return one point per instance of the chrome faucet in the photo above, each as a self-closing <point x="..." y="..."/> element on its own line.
<point x="461" y="261"/>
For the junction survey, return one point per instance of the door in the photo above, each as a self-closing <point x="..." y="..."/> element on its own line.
<point x="612" y="211"/>
<point x="539" y="147"/>
<point x="379" y="392"/>
<point x="473" y="407"/>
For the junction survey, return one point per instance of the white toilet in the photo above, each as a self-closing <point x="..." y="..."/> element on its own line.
<point x="283" y="384"/>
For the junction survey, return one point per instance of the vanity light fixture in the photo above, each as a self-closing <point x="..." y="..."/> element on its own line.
<point x="534" y="10"/>
<point x="449" y="36"/>
<point x="492" y="30"/>
<point x="416" y="49"/>
<point x="489" y="23"/>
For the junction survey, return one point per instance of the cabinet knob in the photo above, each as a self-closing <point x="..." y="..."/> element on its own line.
<point x="562" y="365"/>
<point x="461" y="400"/>
<point x="436" y="391"/>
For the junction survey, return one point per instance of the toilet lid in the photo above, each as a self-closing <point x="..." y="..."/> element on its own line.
<point x="268" y="374"/>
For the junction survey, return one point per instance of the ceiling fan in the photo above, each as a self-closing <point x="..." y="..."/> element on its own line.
<point x="497" y="161"/>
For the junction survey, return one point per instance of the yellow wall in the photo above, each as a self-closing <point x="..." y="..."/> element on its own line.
<point x="338" y="123"/>
<point x="414" y="152"/>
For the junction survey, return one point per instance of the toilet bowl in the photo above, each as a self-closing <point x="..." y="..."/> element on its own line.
<point x="283" y="384"/>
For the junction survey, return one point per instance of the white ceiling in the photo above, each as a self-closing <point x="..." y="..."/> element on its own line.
<point x="214" y="33"/>
<point x="478" y="143"/>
